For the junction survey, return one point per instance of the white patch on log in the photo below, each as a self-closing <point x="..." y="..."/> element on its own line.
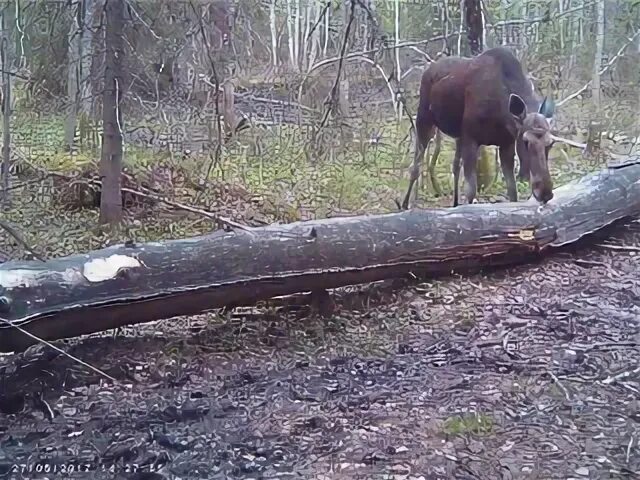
<point x="19" y="278"/>
<point x="101" y="269"/>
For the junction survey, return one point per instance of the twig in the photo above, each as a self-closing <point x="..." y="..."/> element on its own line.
<point x="320" y="18"/>
<point x="20" y="240"/>
<point x="328" y="61"/>
<point x="555" y="379"/>
<point x="602" y="70"/>
<point x="142" y="21"/>
<point x="626" y="248"/>
<point x="57" y="349"/>
<point x="620" y="376"/>
<point x="364" y="53"/>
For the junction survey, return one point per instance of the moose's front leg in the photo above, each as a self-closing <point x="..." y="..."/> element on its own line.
<point x="469" y="152"/>
<point x="507" y="163"/>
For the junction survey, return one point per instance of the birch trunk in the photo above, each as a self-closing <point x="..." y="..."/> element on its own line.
<point x="296" y="35"/>
<point x="315" y="36"/>
<point x="398" y="104"/>
<point x="597" y="61"/>
<point x="74" y="55"/>
<point x="325" y="46"/>
<point x="290" y="33"/>
<point x="274" y="33"/>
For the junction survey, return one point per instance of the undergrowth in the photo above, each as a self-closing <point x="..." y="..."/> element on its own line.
<point x="273" y="175"/>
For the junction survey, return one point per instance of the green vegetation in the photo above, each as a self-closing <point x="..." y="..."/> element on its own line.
<point x="475" y="424"/>
<point x="266" y="175"/>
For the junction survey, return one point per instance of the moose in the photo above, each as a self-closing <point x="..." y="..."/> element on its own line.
<point x="485" y="100"/>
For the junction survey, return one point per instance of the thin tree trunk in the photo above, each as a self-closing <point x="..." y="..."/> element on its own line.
<point x="503" y="31"/>
<point x="315" y="36"/>
<point x="86" y="91"/>
<point x="6" y="61"/>
<point x="461" y="27"/>
<point x="74" y="54"/>
<point x="561" y="22"/>
<point x="475" y="25"/>
<point x="325" y="46"/>
<point x="290" y="33"/>
<point x="274" y="33"/>
<point x="398" y="105"/>
<point x="114" y="84"/>
<point x="296" y="35"/>
<point x="597" y="61"/>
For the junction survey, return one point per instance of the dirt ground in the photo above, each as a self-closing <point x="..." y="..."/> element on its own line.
<point x="531" y="372"/>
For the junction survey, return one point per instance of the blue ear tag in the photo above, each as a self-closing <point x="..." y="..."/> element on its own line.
<point x="547" y="107"/>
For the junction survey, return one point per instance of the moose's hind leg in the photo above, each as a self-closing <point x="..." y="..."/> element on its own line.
<point x="425" y="130"/>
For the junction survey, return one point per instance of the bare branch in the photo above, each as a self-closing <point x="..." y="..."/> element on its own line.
<point x="604" y="69"/>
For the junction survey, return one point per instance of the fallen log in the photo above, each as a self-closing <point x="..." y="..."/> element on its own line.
<point x="134" y="283"/>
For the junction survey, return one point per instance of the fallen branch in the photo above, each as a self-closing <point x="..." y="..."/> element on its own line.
<point x="571" y="143"/>
<point x="18" y="238"/>
<point x="59" y="350"/>
<point x="624" y="248"/>
<point x="142" y="193"/>
<point x="128" y="284"/>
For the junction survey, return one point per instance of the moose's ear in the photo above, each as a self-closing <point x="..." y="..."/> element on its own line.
<point x="547" y="107"/>
<point x="517" y="107"/>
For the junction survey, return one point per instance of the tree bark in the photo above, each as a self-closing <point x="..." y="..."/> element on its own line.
<point x="129" y="283"/>
<point x="114" y="84"/>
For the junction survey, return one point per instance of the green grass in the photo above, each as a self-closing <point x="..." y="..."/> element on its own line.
<point x="475" y="424"/>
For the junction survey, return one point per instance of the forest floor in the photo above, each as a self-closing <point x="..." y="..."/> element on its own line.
<point x="528" y="372"/>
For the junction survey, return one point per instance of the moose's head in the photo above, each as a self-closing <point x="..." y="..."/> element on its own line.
<point x="533" y="143"/>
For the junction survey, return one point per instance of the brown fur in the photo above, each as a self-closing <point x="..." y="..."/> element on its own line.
<point x="485" y="100"/>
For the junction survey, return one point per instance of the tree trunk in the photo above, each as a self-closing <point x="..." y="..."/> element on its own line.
<point x="274" y="33"/>
<point x="290" y="33"/>
<point x="475" y="25"/>
<point x="114" y="85"/>
<point x="597" y="61"/>
<point x="6" y="60"/>
<point x="74" y="56"/>
<point x="89" y="8"/>
<point x="398" y="69"/>
<point x="129" y="283"/>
